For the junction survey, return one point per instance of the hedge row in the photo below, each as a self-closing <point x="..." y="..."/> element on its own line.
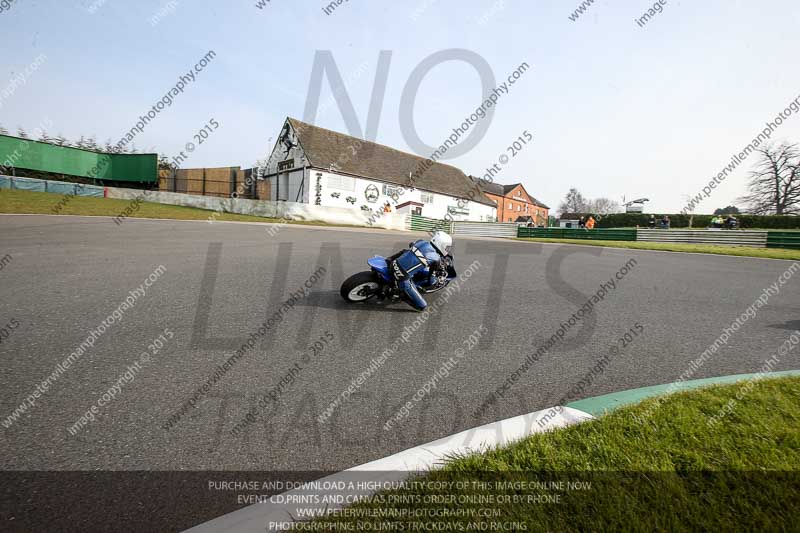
<point x="630" y="220"/>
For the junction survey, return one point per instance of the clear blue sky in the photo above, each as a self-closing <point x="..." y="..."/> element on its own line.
<point x="615" y="109"/>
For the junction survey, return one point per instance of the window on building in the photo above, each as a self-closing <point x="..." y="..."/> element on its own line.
<point x="343" y="183"/>
<point x="427" y="197"/>
<point x="519" y="208"/>
<point x="510" y="206"/>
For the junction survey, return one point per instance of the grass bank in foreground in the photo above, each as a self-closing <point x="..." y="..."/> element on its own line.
<point x="671" y="471"/>
<point x="30" y="202"/>
<point x="743" y="251"/>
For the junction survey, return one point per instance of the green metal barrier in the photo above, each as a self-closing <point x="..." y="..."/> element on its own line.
<point x="783" y="239"/>
<point x="45" y="157"/>
<point x="570" y="233"/>
<point x="421" y="223"/>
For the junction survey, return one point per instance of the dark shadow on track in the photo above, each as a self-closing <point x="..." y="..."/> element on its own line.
<point x="789" y="325"/>
<point x="333" y="300"/>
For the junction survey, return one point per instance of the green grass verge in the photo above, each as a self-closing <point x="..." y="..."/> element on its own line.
<point x="30" y="202"/>
<point x="742" y="251"/>
<point x="672" y="471"/>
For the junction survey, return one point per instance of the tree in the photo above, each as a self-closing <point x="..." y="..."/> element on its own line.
<point x="574" y="202"/>
<point x="730" y="210"/>
<point x="260" y="167"/>
<point x="91" y="144"/>
<point x="164" y="162"/>
<point x="44" y="137"/>
<point x="22" y="133"/>
<point x="774" y="185"/>
<point x="602" y="206"/>
<point x="81" y="143"/>
<point x="3" y="131"/>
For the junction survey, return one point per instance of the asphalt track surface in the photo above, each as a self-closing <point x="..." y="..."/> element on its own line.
<point x="222" y="280"/>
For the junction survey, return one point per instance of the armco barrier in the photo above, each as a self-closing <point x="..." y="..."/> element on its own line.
<point x="757" y="239"/>
<point x="783" y="239"/>
<point x="485" y="229"/>
<point x="586" y="234"/>
<point x="56" y="187"/>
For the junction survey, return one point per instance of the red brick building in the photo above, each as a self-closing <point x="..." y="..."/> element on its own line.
<point x="514" y="202"/>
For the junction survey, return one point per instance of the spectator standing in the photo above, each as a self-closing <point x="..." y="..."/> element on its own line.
<point x="652" y="222"/>
<point x="590" y="222"/>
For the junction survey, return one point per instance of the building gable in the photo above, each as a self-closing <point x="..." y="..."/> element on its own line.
<point x="288" y="153"/>
<point x="518" y="192"/>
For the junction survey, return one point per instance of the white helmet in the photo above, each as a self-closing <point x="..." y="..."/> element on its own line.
<point x="442" y="242"/>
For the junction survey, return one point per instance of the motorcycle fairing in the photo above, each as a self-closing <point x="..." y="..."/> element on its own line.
<point x="379" y="265"/>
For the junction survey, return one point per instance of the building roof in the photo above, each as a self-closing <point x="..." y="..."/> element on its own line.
<point x="489" y="186"/>
<point x="502" y="190"/>
<point x="372" y="160"/>
<point x="538" y="203"/>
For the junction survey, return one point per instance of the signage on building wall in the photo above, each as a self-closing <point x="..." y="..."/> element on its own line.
<point x="318" y="188"/>
<point x="372" y="194"/>
<point x="455" y="210"/>
<point x="286" y="165"/>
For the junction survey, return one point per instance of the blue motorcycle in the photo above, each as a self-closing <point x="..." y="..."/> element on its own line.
<point x="379" y="282"/>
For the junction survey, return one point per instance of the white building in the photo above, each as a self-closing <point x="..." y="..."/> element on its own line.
<point x="322" y="167"/>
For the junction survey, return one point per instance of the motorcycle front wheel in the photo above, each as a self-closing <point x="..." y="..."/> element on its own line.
<point x="360" y="287"/>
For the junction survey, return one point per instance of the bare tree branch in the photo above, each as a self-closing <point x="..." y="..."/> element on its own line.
<point x="774" y="183"/>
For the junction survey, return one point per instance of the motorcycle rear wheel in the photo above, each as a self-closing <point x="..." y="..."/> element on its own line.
<point x="360" y="287"/>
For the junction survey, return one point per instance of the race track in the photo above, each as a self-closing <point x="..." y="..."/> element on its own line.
<point x="221" y="281"/>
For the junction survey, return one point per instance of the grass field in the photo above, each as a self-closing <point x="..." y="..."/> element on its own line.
<point x="672" y="471"/>
<point x="29" y="202"/>
<point x="743" y="251"/>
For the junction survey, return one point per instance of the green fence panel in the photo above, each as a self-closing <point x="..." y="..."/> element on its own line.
<point x="420" y="223"/>
<point x="783" y="239"/>
<point x="45" y="157"/>
<point x="585" y="234"/>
